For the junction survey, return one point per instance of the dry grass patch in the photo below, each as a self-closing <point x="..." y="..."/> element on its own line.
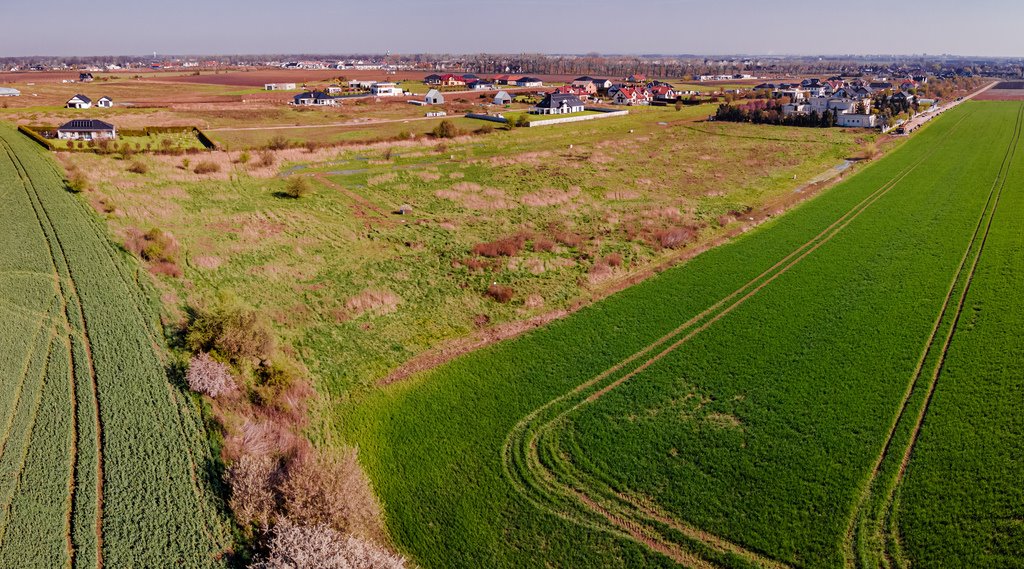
<point x="373" y="301"/>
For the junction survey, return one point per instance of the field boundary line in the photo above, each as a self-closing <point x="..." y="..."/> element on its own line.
<point x="532" y="462"/>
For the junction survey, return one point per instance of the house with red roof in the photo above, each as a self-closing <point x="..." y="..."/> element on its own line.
<point x="632" y="96"/>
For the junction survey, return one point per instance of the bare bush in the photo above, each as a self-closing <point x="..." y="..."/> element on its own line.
<point x="252" y="480"/>
<point x="278" y="143"/>
<point x="138" y="167"/>
<point x="674" y="237"/>
<point x="331" y="490"/>
<point x="206" y="167"/>
<point x="500" y="293"/>
<point x="543" y="245"/>
<point x="507" y="247"/>
<point x="208" y="376"/>
<point x="296" y="546"/>
<point x="266" y="160"/>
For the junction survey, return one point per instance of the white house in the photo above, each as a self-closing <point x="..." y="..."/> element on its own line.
<point x="334" y="90"/>
<point x="434" y="97"/>
<point x="386" y="90"/>
<point x="105" y="102"/>
<point x="503" y="98"/>
<point x="279" y="87"/>
<point x="857" y="121"/>
<point x="79" y="102"/>
<point x="529" y="82"/>
<point x="558" y="104"/>
<point x="86" y="129"/>
<point x="631" y="96"/>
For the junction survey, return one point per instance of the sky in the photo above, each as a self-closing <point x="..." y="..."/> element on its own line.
<point x="135" y="27"/>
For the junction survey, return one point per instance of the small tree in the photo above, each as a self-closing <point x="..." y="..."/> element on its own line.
<point x="252" y="480"/>
<point x="298" y="187"/>
<point x="295" y="546"/>
<point x="446" y="129"/>
<point x="208" y="376"/>
<point x="244" y="157"/>
<point x="523" y="120"/>
<point x="185" y="163"/>
<point x="138" y="167"/>
<point x="78" y="182"/>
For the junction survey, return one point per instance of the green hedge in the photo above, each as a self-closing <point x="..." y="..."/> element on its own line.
<point x="29" y="132"/>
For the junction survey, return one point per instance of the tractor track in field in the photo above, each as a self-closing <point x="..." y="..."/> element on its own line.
<point x="538" y="482"/>
<point x="884" y="531"/>
<point x="68" y="289"/>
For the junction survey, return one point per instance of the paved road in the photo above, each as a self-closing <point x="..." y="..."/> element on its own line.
<point x="916" y="122"/>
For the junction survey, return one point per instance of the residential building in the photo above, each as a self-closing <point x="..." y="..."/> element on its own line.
<point x="502" y="98"/>
<point x="85" y="77"/>
<point x="385" y="89"/>
<point x="105" y="102"/>
<point x="279" y="87"/>
<point x="433" y="79"/>
<point x="529" y="82"/>
<point x="480" y="85"/>
<point x="450" y="80"/>
<point x="79" y="102"/>
<point x="314" y="98"/>
<point x="558" y="104"/>
<point x="631" y="96"/>
<point x="857" y="121"/>
<point x="86" y="129"/>
<point x="434" y="97"/>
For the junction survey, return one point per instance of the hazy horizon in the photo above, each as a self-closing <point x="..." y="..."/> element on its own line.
<point x="986" y="28"/>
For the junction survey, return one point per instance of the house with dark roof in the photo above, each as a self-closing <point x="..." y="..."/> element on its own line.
<point x="79" y="102"/>
<point x="480" y="85"/>
<point x="558" y="104"/>
<point x="602" y="84"/>
<point x="105" y="102"/>
<point x="85" y="77"/>
<point x="433" y="79"/>
<point x="314" y="98"/>
<point x="86" y="129"/>
<point x="529" y="82"/>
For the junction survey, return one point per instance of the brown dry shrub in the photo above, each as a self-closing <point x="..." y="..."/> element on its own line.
<point x="206" y="167"/>
<point x="261" y="437"/>
<point x="138" y="167"/>
<point x="674" y="237"/>
<point x="613" y="260"/>
<point x="252" y="480"/>
<point x="166" y="268"/>
<point x="543" y="245"/>
<point x="331" y="489"/>
<point x="208" y="376"/>
<point x="506" y="247"/>
<point x="568" y="238"/>
<point x="267" y="159"/>
<point x="500" y="293"/>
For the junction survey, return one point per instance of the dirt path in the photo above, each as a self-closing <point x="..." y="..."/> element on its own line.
<point x="328" y="125"/>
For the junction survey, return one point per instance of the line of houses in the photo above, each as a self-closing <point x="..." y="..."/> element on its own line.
<point x="80" y="101"/>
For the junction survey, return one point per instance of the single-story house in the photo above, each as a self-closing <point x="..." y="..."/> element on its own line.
<point x="480" y="85"/>
<point x="571" y="90"/>
<point x="602" y="84"/>
<point x="857" y="121"/>
<point x="334" y="90"/>
<point x="86" y="129"/>
<point x="663" y="93"/>
<point x="79" y="102"/>
<point x="105" y="102"/>
<point x="279" y="86"/>
<point x="311" y="98"/>
<point x="506" y="79"/>
<point x="558" y="104"/>
<point x="385" y="89"/>
<point x="529" y="82"/>
<point x="434" y="97"/>
<point x="85" y="77"/>
<point x="8" y="92"/>
<point x="502" y="98"/>
<point x="636" y="78"/>
<point x="433" y="79"/>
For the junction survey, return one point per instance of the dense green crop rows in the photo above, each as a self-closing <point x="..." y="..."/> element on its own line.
<point x="104" y="460"/>
<point x="749" y="441"/>
<point x="961" y="502"/>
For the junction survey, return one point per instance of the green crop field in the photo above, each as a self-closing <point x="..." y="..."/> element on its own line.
<point x="102" y="461"/>
<point x="836" y="388"/>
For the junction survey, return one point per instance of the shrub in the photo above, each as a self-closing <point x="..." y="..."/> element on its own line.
<point x="446" y="129"/>
<point x="252" y="480"/>
<point x="208" y="376"/>
<point x="185" y="163"/>
<point x="279" y="142"/>
<point x="206" y="167"/>
<point x="78" y="182"/>
<point x="158" y="246"/>
<point x="543" y="245"/>
<point x="523" y="120"/>
<point x="297" y="187"/>
<point x="507" y="247"/>
<point x="267" y="159"/>
<point x="500" y="293"/>
<point x="244" y="158"/>
<point x="485" y="129"/>
<point x="297" y="547"/>
<point x="230" y="329"/>
<point x="138" y="167"/>
<point x="331" y="490"/>
<point x="613" y="260"/>
<point x="674" y="237"/>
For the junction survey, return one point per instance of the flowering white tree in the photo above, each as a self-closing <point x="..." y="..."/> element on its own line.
<point x="207" y="375"/>
<point x="320" y="547"/>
